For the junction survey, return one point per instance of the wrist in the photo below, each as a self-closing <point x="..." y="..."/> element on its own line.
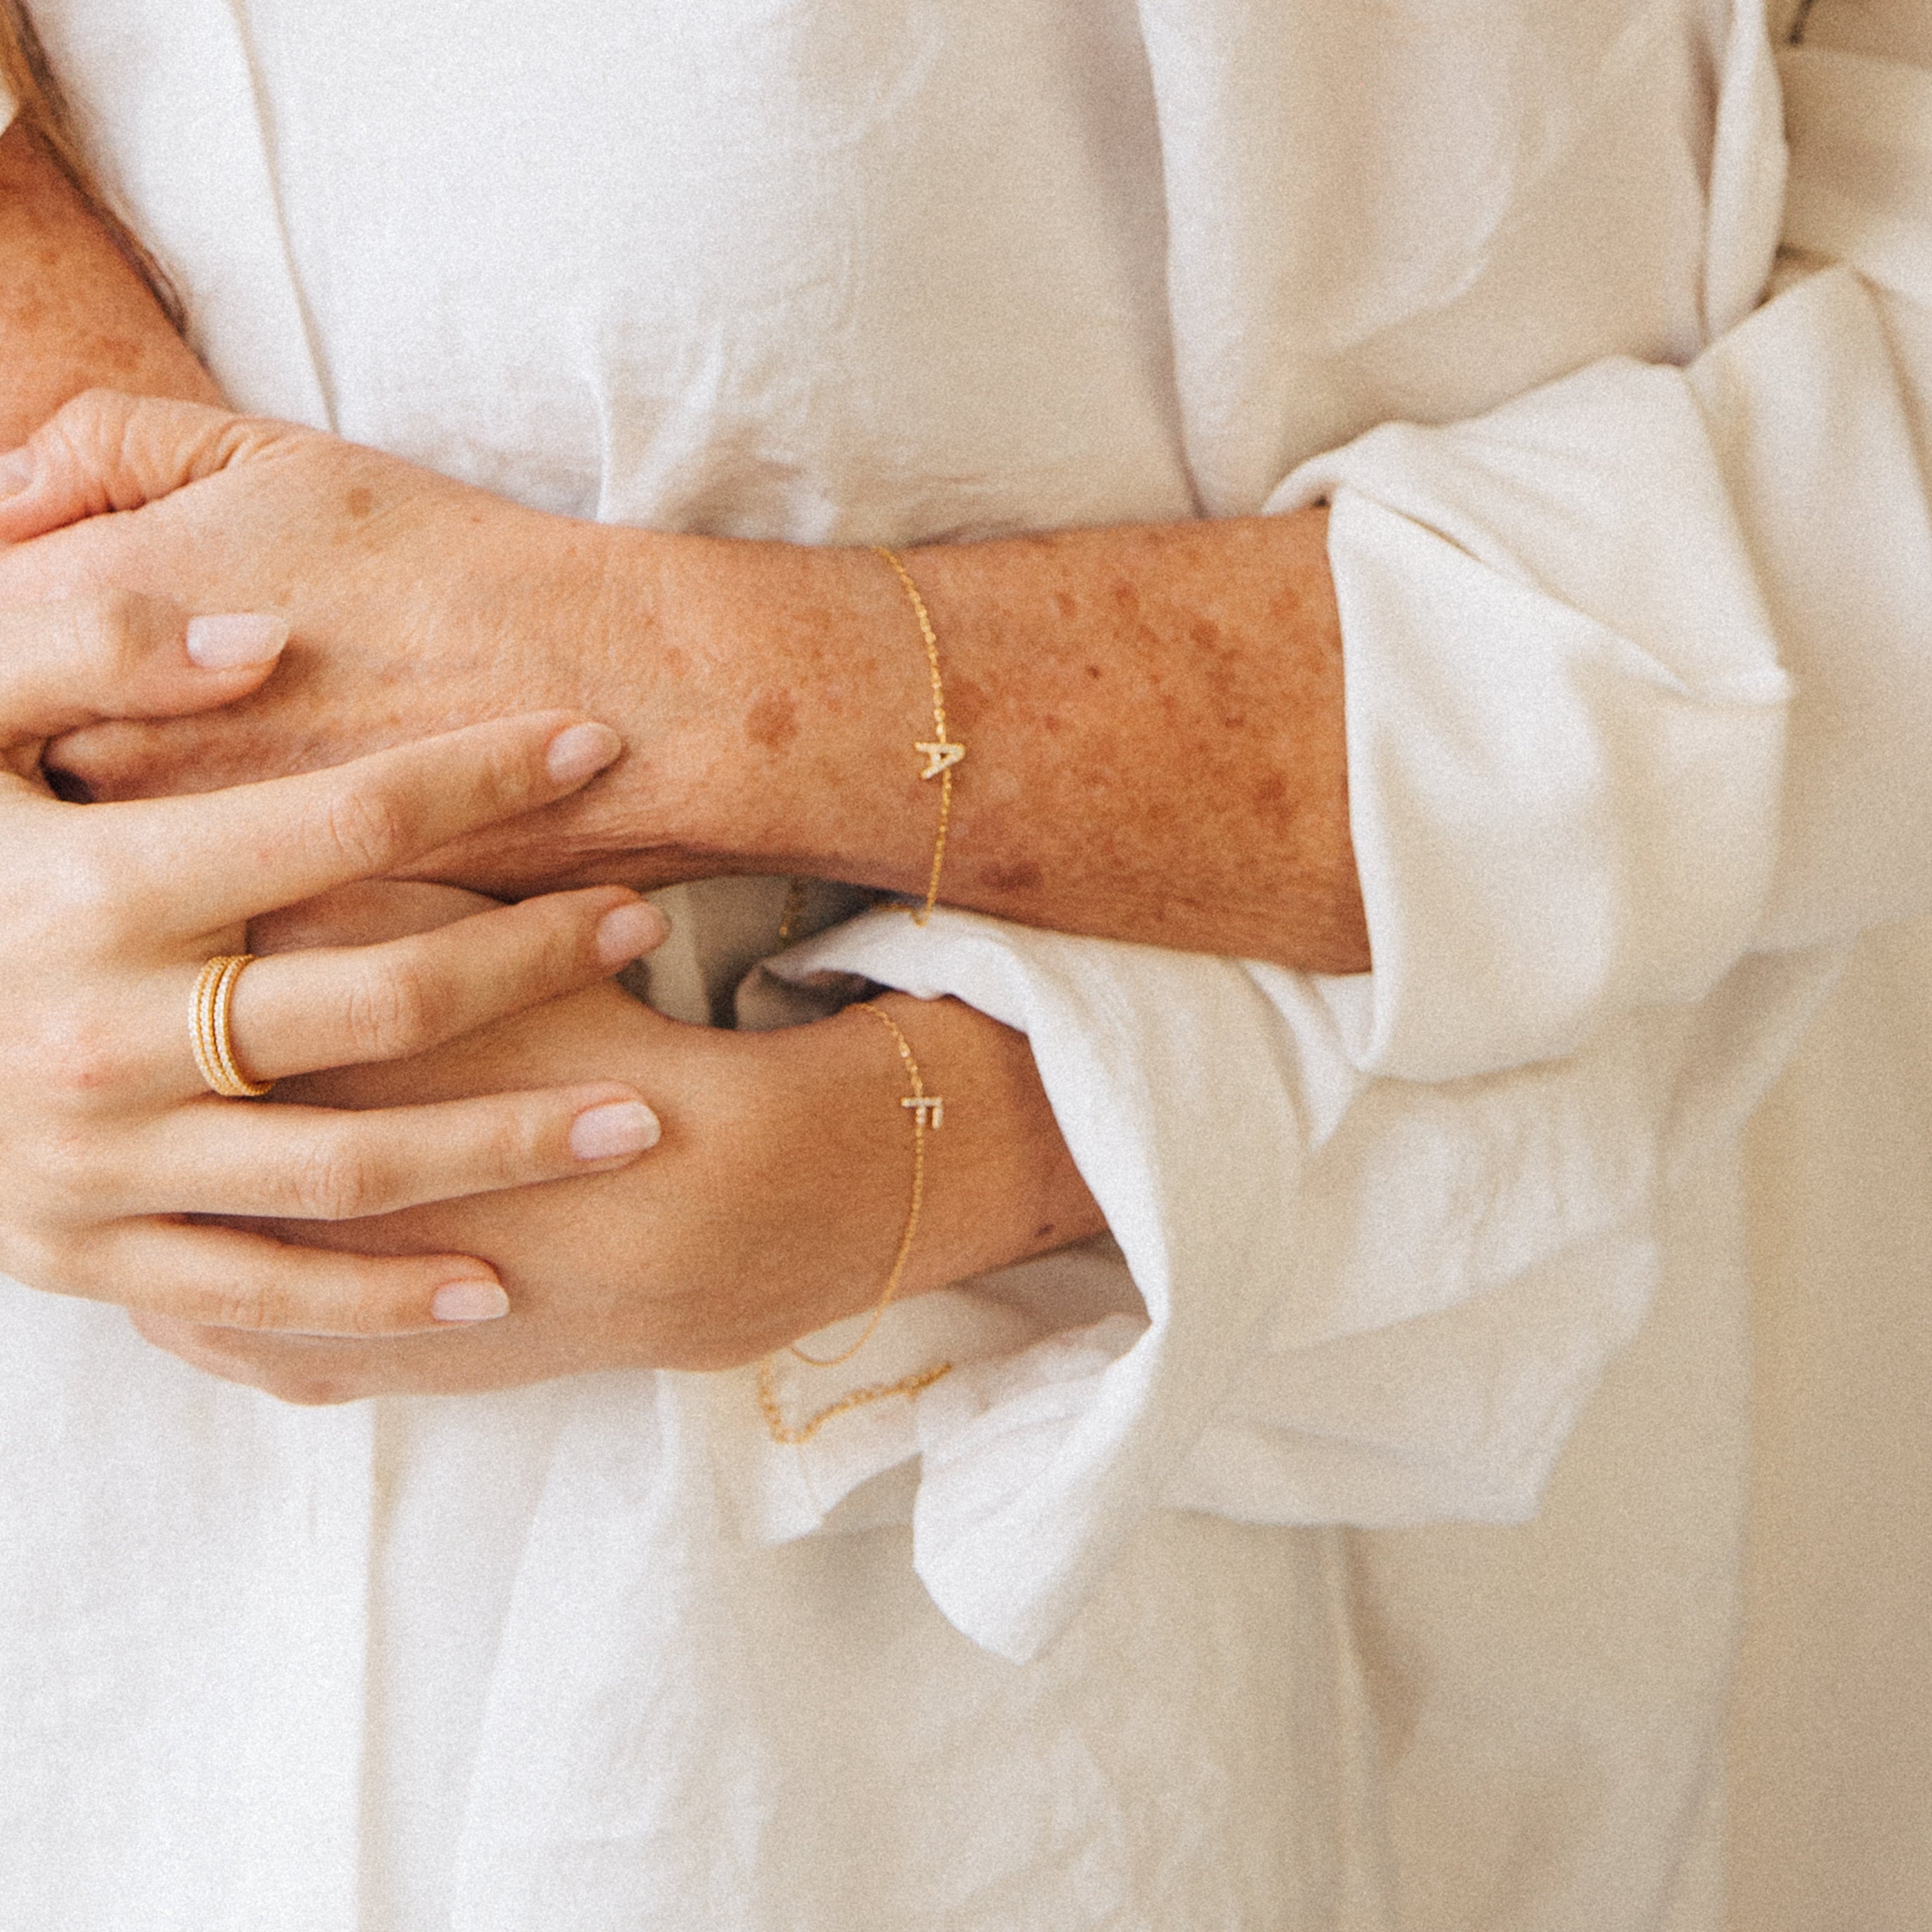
<point x="786" y="682"/>
<point x="997" y="1183"/>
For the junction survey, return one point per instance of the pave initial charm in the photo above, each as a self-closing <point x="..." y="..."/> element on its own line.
<point x="928" y="1109"/>
<point x="939" y="758"/>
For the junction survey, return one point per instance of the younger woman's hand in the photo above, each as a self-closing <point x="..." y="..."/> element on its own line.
<point x="775" y="1204"/>
<point x="112" y="1147"/>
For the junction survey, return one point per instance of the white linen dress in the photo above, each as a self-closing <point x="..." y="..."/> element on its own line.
<point x="1356" y="1540"/>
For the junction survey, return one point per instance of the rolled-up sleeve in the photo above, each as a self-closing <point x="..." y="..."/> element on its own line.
<point x="1638" y="697"/>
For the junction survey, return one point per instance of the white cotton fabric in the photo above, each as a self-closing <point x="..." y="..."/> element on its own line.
<point x="1186" y="1600"/>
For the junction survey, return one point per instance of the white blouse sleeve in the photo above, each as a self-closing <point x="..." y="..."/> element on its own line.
<point x="1639" y="665"/>
<point x="1639" y="709"/>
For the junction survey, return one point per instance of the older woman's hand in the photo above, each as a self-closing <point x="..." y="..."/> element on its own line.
<point x="415" y="604"/>
<point x="1155" y="713"/>
<point x="111" y="1146"/>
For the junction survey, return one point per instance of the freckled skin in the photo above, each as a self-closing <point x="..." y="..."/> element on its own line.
<point x="1025" y="876"/>
<point x="772" y="721"/>
<point x="1125" y="694"/>
<point x="1152" y="718"/>
<point x="84" y="319"/>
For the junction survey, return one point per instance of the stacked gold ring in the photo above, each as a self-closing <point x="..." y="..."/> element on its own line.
<point x="213" y="1046"/>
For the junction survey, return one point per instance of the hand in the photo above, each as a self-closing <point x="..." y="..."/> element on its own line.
<point x="416" y="605"/>
<point x="1154" y="714"/>
<point x="109" y="1144"/>
<point x="774" y="1205"/>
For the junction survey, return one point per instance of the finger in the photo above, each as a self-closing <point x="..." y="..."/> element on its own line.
<point x="225" y="855"/>
<point x="322" y="1164"/>
<point x="299" y="1013"/>
<point x="104" y="451"/>
<point x="310" y="1370"/>
<point x="223" y="1278"/>
<point x="67" y="664"/>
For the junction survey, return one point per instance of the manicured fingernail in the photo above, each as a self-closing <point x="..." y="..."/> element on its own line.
<point x="228" y="643"/>
<point x="16" y="471"/>
<point x="470" y="1301"/>
<point x="584" y="749"/>
<point x="622" y="1127"/>
<point x="628" y="932"/>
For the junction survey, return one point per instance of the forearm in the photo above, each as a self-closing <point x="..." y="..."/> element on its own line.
<point x="1153" y="716"/>
<point x="74" y="314"/>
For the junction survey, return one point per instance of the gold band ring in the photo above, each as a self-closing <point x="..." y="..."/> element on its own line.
<point x="214" y="1047"/>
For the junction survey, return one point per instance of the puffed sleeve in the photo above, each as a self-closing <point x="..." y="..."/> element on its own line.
<point x="1638" y="706"/>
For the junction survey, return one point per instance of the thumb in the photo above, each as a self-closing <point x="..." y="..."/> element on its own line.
<point x="104" y="451"/>
<point x="68" y="664"/>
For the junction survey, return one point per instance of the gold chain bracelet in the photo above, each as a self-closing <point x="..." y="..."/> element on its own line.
<point x="941" y="752"/>
<point x="929" y="1112"/>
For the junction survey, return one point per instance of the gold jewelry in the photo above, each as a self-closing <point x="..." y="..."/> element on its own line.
<point x="794" y="911"/>
<point x="929" y="1113"/>
<point x="941" y="753"/>
<point x="214" y="1045"/>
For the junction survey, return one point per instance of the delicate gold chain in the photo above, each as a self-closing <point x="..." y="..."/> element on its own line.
<point x="921" y="1104"/>
<point x="794" y="909"/>
<point x="942" y="753"/>
<point x="791" y="1435"/>
<point x="928" y="1110"/>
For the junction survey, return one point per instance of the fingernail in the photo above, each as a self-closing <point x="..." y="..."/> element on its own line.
<point x="17" y="470"/>
<point x="229" y="643"/>
<point x="470" y="1301"/>
<point x="622" y="1127"/>
<point x="583" y="749"/>
<point x="628" y="932"/>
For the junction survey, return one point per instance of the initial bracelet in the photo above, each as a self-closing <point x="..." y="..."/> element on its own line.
<point x="941" y="753"/>
<point x="928" y="1114"/>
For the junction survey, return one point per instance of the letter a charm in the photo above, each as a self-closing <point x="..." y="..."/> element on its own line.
<point x="940" y="757"/>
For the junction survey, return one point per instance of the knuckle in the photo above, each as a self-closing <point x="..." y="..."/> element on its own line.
<point x="74" y="1059"/>
<point x="110" y="633"/>
<point x="336" y="1180"/>
<point x="246" y="1303"/>
<point x="516" y="1147"/>
<point x="392" y="1011"/>
<point x="507" y="772"/>
<point x="363" y="828"/>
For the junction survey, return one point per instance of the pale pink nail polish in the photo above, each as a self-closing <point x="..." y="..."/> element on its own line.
<point x="470" y="1301"/>
<point x="622" y="1127"/>
<point x="628" y="932"/>
<point x="581" y="751"/>
<point x="229" y="643"/>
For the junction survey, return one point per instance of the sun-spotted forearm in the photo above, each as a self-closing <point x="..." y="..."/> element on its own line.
<point x="75" y="313"/>
<point x="1152" y="718"/>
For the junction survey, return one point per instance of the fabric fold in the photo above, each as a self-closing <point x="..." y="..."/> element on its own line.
<point x="1610" y="736"/>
